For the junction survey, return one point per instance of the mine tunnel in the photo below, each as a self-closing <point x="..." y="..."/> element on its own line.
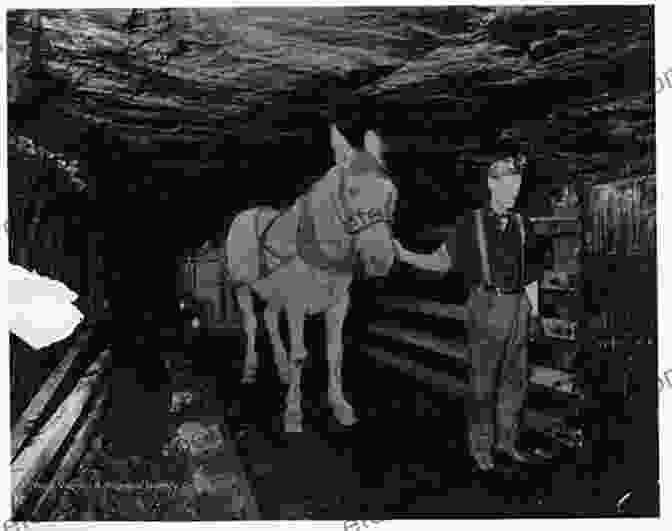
<point x="135" y="138"/>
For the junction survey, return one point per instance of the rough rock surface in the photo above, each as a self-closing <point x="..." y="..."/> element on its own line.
<point x="201" y="84"/>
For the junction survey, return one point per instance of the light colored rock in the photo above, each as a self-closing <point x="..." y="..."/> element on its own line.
<point x="199" y="438"/>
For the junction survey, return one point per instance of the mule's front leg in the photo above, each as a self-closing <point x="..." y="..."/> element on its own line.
<point x="293" y="413"/>
<point x="244" y="296"/>
<point x="335" y="318"/>
<point x="271" y="315"/>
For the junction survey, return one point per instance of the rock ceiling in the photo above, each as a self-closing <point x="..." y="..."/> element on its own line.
<point x="577" y="82"/>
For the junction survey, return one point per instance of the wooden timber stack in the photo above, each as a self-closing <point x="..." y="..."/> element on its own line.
<point x="419" y="329"/>
<point x="54" y="430"/>
<point x="583" y="385"/>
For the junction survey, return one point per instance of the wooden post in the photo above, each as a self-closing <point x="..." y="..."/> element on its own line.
<point x="48" y="249"/>
<point x="36" y="48"/>
<point x="194" y="270"/>
<point x="64" y="266"/>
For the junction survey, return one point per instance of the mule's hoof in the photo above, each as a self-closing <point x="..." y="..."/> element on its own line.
<point x="345" y="415"/>
<point x="348" y="420"/>
<point x="293" y="423"/>
<point x="249" y="377"/>
<point x="293" y="428"/>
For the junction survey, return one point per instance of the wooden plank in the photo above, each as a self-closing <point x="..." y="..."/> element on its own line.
<point x="558" y="289"/>
<point x="555" y="219"/>
<point x="71" y="458"/>
<point x="426" y="307"/>
<point x="23" y="428"/>
<point x="440" y="380"/>
<point x="542" y="376"/>
<point x="424" y="340"/>
<point x="35" y="457"/>
<point x="535" y="420"/>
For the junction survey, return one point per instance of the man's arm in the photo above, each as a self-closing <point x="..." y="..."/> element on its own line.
<point x="532" y="290"/>
<point x="438" y="261"/>
<point x="446" y="257"/>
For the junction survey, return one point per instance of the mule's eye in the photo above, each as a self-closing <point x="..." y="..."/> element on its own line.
<point x="354" y="191"/>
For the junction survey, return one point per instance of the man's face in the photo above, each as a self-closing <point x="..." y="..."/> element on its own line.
<point x="504" y="190"/>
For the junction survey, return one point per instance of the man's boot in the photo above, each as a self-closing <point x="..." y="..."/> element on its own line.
<point x="484" y="461"/>
<point x="480" y="443"/>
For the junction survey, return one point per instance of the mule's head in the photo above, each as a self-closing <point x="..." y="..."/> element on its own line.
<point x="367" y="198"/>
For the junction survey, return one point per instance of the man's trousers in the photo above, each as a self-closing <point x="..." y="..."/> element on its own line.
<point x="497" y="335"/>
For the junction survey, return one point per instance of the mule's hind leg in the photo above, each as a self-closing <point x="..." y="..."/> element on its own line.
<point x="271" y="315"/>
<point x="335" y="317"/>
<point x="244" y="296"/>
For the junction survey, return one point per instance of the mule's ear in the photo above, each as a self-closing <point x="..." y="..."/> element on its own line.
<point x="374" y="145"/>
<point x="340" y="145"/>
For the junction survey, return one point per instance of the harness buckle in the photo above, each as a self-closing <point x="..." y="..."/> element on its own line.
<point x="497" y="290"/>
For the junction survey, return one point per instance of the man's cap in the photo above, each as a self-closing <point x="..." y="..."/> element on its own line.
<point x="507" y="166"/>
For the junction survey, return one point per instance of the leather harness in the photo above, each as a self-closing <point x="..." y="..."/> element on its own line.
<point x="308" y="245"/>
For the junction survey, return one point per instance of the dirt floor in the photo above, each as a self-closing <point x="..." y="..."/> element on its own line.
<point x="405" y="458"/>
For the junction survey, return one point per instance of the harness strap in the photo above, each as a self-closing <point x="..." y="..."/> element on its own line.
<point x="309" y="248"/>
<point x="482" y="246"/>
<point x="264" y="267"/>
<point x="521" y="227"/>
<point x="480" y="238"/>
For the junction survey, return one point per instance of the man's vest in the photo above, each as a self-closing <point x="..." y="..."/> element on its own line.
<point x="480" y="252"/>
<point x="483" y="247"/>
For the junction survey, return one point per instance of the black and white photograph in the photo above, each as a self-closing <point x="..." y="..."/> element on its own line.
<point x="333" y="262"/>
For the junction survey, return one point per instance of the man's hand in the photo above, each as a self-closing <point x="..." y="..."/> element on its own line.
<point x="444" y="257"/>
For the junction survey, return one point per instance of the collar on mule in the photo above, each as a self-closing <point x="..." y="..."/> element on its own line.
<point x="353" y="221"/>
<point x="310" y="249"/>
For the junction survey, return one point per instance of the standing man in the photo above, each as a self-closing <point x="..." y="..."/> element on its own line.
<point x="489" y="248"/>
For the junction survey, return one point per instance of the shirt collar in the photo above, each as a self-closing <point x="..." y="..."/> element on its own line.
<point x="494" y="214"/>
